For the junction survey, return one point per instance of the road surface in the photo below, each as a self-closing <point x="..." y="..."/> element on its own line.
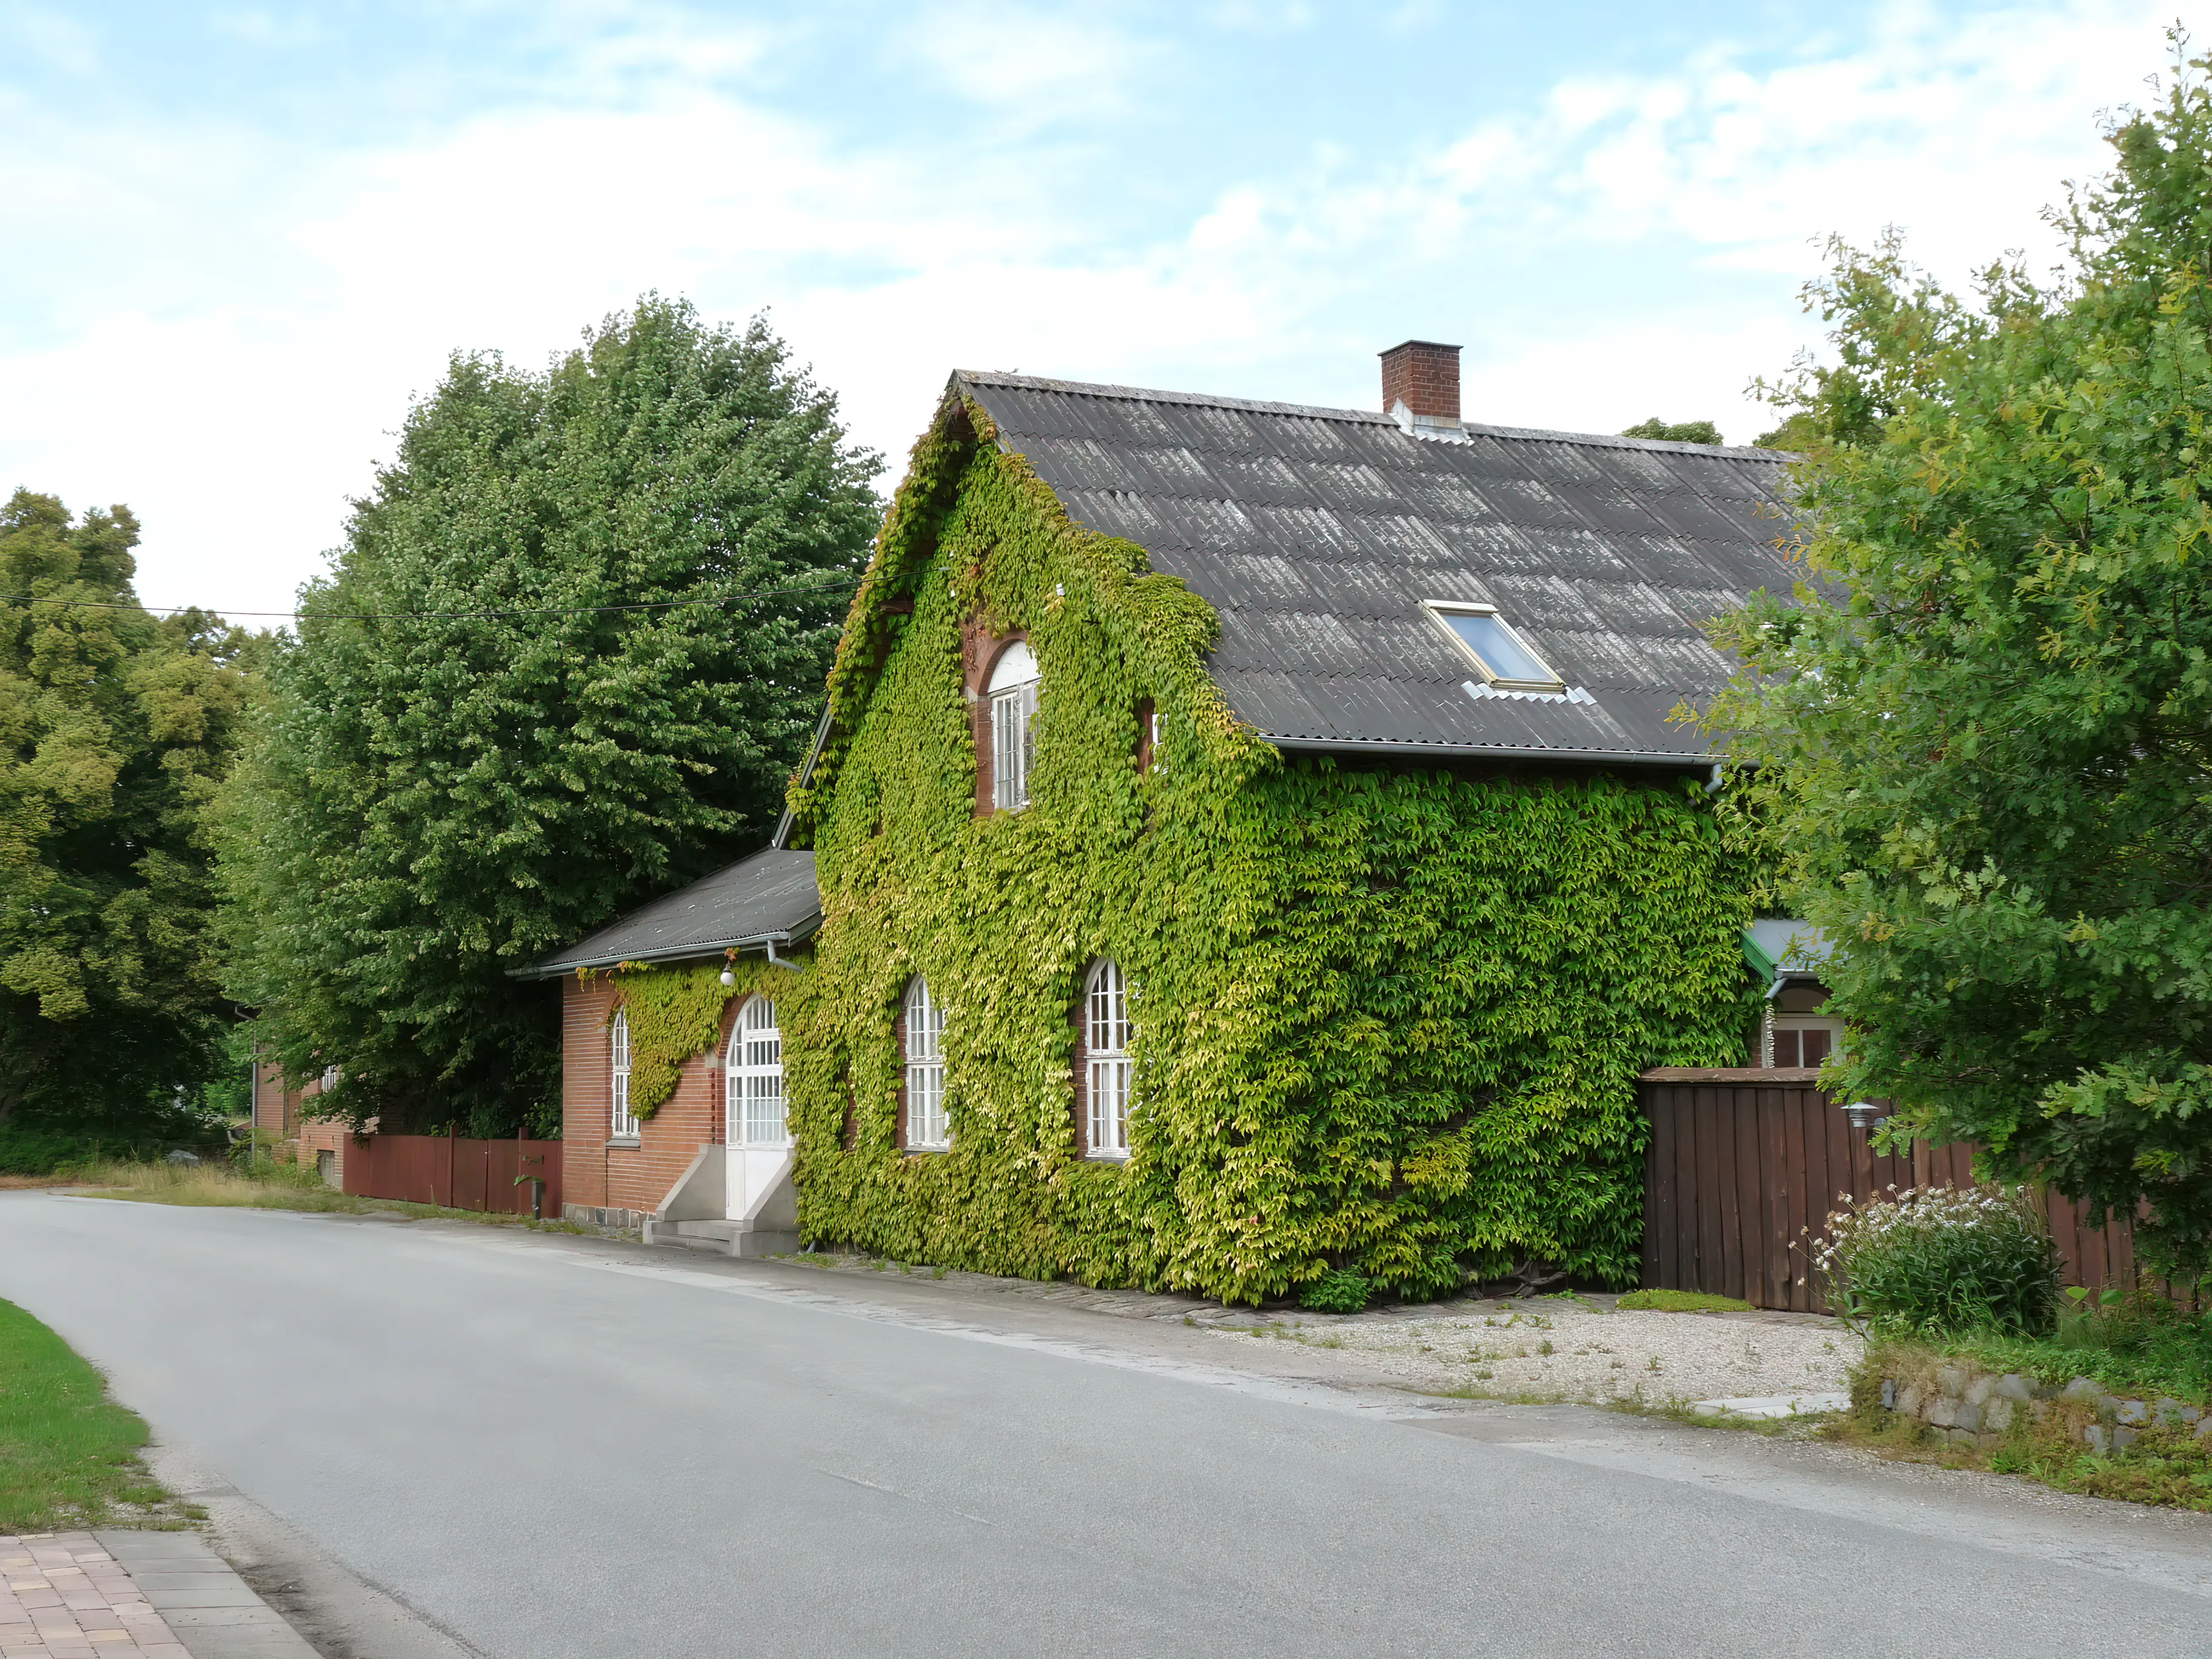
<point x="559" y="1446"/>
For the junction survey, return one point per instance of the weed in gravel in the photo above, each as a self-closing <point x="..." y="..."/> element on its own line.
<point x="1678" y="1301"/>
<point x="1546" y="1348"/>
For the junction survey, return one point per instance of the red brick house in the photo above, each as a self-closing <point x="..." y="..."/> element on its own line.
<point x="679" y="1172"/>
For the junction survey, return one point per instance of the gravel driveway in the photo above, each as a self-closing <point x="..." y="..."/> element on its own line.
<point x="1564" y="1349"/>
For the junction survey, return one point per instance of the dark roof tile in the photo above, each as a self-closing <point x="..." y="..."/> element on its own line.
<point x="1315" y="534"/>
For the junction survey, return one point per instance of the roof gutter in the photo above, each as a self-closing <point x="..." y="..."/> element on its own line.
<point x="805" y="777"/>
<point x="702" y="949"/>
<point x="1469" y="751"/>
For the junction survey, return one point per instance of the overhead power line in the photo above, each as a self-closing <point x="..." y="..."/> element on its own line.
<point x="799" y="591"/>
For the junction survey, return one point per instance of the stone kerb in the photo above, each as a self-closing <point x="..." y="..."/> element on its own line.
<point x="1976" y="1407"/>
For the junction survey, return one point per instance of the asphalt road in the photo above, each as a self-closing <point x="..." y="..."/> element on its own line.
<point x="557" y="1447"/>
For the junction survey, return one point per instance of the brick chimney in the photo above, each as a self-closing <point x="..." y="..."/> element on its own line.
<point x="1424" y="376"/>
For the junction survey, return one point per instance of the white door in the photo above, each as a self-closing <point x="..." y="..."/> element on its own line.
<point x="753" y="1116"/>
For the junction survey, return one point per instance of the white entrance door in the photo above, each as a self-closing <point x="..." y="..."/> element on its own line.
<point x="759" y="1137"/>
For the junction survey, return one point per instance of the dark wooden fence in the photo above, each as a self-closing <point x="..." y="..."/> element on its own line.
<point x="454" y="1174"/>
<point x="1742" y="1163"/>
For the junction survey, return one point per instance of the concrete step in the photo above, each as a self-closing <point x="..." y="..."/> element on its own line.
<point x="742" y="1239"/>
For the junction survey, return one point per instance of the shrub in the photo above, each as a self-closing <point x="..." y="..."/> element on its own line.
<point x="1942" y="1259"/>
<point x="1338" y="1291"/>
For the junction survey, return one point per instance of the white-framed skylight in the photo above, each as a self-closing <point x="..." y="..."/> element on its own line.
<point x="1507" y="661"/>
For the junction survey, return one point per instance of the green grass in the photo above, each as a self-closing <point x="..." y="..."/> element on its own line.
<point x="275" y="1186"/>
<point x="69" y="1454"/>
<point x="1678" y="1301"/>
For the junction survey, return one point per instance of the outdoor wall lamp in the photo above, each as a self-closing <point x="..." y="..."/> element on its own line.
<point x="1862" y="1114"/>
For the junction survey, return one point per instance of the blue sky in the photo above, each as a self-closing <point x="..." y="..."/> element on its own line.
<point x="244" y="236"/>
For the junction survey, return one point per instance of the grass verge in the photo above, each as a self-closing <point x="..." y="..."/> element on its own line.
<point x="69" y="1454"/>
<point x="2147" y="1350"/>
<point x="2167" y="1468"/>
<point x="275" y="1186"/>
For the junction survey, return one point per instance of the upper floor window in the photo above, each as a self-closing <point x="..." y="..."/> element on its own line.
<point x="329" y="1079"/>
<point x="927" y="1128"/>
<point x="1106" y="1043"/>
<point x="1013" y="698"/>
<point x="1505" y="659"/>
<point x="1148" y="737"/>
<point x="753" y="1105"/>
<point x="1802" y="1041"/>
<point x="620" y="1125"/>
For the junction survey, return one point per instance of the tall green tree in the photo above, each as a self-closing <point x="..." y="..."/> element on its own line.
<point x="115" y="729"/>
<point x="1984" y="726"/>
<point x="573" y="647"/>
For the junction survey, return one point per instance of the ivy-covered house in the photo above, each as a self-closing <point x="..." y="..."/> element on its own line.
<point x="1248" y="848"/>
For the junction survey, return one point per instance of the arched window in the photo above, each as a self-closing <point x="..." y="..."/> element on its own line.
<point x="1014" y="694"/>
<point x="754" y="1102"/>
<point x="927" y="1128"/>
<point x="620" y="1126"/>
<point x="1106" y="1057"/>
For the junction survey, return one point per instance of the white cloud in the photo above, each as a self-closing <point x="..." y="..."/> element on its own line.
<point x="238" y="355"/>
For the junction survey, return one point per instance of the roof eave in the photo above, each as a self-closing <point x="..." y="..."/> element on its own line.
<point x="1472" y="751"/>
<point x="698" y="950"/>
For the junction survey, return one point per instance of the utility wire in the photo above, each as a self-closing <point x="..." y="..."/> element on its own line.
<point x="387" y="615"/>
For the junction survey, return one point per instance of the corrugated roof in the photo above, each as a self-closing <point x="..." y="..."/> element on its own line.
<point x="769" y="897"/>
<point x="1316" y="533"/>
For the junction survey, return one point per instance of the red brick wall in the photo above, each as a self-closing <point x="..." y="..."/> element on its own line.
<point x="276" y="1109"/>
<point x="1425" y="375"/>
<point x="317" y="1138"/>
<point x="598" y="1174"/>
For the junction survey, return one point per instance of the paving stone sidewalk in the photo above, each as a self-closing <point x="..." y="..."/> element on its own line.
<point x="104" y="1596"/>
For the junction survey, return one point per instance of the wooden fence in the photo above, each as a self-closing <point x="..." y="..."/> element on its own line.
<point x="454" y="1174"/>
<point x="1744" y="1167"/>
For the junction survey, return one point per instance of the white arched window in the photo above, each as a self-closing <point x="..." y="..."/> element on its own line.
<point x="1014" y="694"/>
<point x="1106" y="1044"/>
<point x="753" y="1107"/>
<point x="927" y="1128"/>
<point x="620" y="1125"/>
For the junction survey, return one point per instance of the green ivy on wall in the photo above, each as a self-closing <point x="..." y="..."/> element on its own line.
<point x="1388" y="1021"/>
<point x="677" y="1013"/>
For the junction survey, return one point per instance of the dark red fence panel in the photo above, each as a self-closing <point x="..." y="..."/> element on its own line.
<point x="1744" y="1167"/>
<point x="497" y="1177"/>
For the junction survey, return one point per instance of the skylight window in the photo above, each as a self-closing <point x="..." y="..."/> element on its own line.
<point x="1505" y="659"/>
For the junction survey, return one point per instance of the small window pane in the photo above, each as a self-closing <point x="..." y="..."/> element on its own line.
<point x="1013" y="745"/>
<point x="1503" y="655"/>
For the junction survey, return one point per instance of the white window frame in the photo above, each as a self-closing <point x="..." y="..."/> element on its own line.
<point x="929" y="1125"/>
<point x="1776" y="1023"/>
<point x="1110" y="1072"/>
<point x="1439" y="610"/>
<point x="1012" y="690"/>
<point x="329" y="1079"/>
<point x="754" y="1111"/>
<point x="621" y="1124"/>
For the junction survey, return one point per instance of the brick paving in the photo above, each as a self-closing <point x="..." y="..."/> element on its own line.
<point x="63" y="1597"/>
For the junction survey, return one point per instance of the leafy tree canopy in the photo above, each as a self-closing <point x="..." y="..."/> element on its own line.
<point x="465" y="765"/>
<point x="1984" y="726"/>
<point x="117" y="729"/>
<point x="1677" y="432"/>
